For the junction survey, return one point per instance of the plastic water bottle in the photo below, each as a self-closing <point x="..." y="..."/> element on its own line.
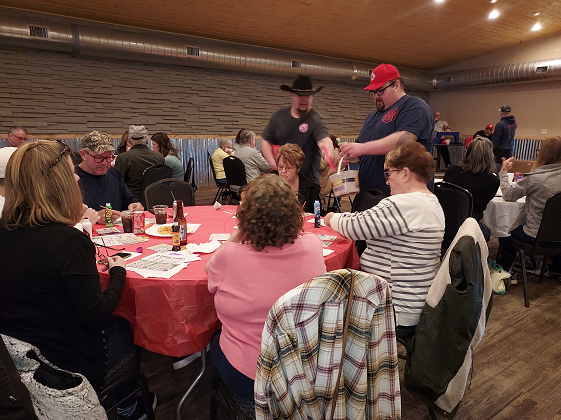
<point x="317" y="222"/>
<point x="87" y="227"/>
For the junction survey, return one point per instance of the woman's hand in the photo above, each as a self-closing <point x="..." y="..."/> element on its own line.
<point x="327" y="218"/>
<point x="116" y="262"/>
<point x="507" y="164"/>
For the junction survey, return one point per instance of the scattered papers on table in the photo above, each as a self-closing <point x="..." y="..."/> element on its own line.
<point x="122" y="239"/>
<point x="327" y="237"/>
<point x="149" y="221"/>
<point x="108" y="231"/>
<point x="321" y="222"/>
<point x="326" y="252"/>
<point x="204" y="248"/>
<point x="192" y="227"/>
<point x="162" y="264"/>
<point x="307" y="214"/>
<point x="219" y="237"/>
<point x="162" y="247"/>
<point x="325" y="244"/>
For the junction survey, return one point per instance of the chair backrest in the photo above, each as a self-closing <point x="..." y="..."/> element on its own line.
<point x="190" y="174"/>
<point x="235" y="171"/>
<point x="367" y="199"/>
<point x="211" y="167"/>
<point x="164" y="191"/>
<point x="457" y="204"/>
<point x="152" y="174"/>
<point x="13" y="392"/>
<point x="550" y="228"/>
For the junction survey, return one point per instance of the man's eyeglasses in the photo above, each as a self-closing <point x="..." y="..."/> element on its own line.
<point x="24" y="138"/>
<point x="101" y="159"/>
<point x="381" y="91"/>
<point x="387" y="172"/>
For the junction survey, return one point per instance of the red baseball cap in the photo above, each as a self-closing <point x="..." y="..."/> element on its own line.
<point x="491" y="126"/>
<point x="381" y="75"/>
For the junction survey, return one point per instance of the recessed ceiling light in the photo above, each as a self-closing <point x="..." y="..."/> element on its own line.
<point x="536" y="27"/>
<point x="494" y="14"/>
<point x="439" y="1"/>
<point x="493" y="1"/>
<point x="536" y="14"/>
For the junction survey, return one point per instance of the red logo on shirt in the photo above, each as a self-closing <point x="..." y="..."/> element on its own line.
<point x="303" y="128"/>
<point x="390" y="116"/>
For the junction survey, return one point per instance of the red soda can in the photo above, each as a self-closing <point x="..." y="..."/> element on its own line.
<point x="138" y="222"/>
<point x="518" y="176"/>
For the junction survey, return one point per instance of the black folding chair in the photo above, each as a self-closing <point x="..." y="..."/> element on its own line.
<point x="457" y="204"/>
<point x="152" y="174"/>
<point x="13" y="393"/>
<point x="166" y="190"/>
<point x="235" y="177"/>
<point x="547" y="242"/>
<point x="190" y="174"/>
<point x="221" y="188"/>
<point x="363" y="201"/>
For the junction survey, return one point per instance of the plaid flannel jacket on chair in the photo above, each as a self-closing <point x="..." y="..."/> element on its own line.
<point x="301" y="350"/>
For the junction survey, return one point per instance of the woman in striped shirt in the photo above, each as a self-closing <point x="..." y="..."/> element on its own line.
<point x="403" y="233"/>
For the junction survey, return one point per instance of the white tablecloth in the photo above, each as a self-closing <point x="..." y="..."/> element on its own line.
<point x="502" y="216"/>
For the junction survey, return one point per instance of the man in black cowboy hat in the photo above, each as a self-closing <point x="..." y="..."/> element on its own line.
<point x="299" y="124"/>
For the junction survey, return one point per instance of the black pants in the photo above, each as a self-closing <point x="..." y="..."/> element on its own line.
<point x="508" y="253"/>
<point x="501" y="153"/>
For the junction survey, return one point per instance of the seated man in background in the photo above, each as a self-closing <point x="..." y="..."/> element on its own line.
<point x="17" y="136"/>
<point x="5" y="154"/>
<point x="224" y="150"/>
<point x="487" y="132"/>
<point x="254" y="162"/>
<point x="99" y="181"/>
<point x="132" y="163"/>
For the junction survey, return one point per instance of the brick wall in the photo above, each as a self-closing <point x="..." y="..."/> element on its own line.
<point x="50" y="93"/>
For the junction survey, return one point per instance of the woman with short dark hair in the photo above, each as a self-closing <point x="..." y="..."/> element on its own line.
<point x="403" y="233"/>
<point x="267" y="256"/>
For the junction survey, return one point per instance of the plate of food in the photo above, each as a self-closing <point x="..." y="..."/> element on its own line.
<point x="165" y="230"/>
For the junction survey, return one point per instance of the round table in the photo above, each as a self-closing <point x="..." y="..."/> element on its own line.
<point x="503" y="216"/>
<point x="176" y="316"/>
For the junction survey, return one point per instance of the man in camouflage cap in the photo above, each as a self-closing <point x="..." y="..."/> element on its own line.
<point x="99" y="181"/>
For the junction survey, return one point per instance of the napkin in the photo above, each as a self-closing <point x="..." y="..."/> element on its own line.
<point x="207" y="248"/>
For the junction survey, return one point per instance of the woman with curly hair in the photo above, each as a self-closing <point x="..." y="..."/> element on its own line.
<point x="161" y="143"/>
<point x="267" y="256"/>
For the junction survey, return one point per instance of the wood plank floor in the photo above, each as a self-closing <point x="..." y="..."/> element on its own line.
<point x="516" y="374"/>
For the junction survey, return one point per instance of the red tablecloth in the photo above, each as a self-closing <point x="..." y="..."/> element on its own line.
<point x="176" y="316"/>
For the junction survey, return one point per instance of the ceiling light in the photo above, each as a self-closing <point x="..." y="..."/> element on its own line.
<point x="536" y="27"/>
<point x="439" y="1"/>
<point x="536" y="14"/>
<point x="494" y="14"/>
<point x="493" y="1"/>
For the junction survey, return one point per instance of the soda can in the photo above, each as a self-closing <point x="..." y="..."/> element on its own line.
<point x="517" y="176"/>
<point x="138" y="222"/>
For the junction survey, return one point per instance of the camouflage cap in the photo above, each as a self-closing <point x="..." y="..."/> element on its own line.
<point x="97" y="141"/>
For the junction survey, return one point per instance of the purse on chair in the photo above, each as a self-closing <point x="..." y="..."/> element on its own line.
<point x="56" y="394"/>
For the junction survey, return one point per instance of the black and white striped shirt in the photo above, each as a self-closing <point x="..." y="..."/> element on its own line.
<point x="403" y="234"/>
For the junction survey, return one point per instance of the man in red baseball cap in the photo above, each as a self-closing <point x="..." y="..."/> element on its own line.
<point x="485" y="132"/>
<point x="398" y="119"/>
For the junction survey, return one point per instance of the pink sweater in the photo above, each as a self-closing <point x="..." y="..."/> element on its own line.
<point x="247" y="283"/>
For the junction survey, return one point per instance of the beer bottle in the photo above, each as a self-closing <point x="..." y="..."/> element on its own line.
<point x="175" y="237"/>
<point x="180" y="219"/>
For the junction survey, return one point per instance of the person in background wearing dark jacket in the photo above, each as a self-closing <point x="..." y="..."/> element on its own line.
<point x="475" y="173"/>
<point x="51" y="294"/>
<point x="503" y="137"/>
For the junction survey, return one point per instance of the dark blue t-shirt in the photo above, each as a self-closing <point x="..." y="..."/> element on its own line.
<point x="407" y="114"/>
<point x="97" y="190"/>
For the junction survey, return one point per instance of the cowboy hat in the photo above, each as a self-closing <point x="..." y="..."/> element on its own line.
<point x="302" y="86"/>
